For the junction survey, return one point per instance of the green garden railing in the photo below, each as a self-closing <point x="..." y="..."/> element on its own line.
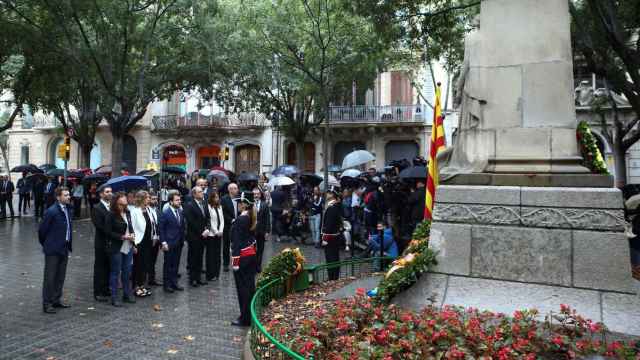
<point x="265" y="345"/>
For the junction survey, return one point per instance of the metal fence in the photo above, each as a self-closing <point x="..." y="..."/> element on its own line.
<point x="197" y="120"/>
<point x="377" y="114"/>
<point x="265" y="345"/>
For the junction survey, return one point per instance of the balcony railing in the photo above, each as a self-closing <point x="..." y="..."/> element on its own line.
<point x="45" y="122"/>
<point x="196" y="120"/>
<point x="377" y="114"/>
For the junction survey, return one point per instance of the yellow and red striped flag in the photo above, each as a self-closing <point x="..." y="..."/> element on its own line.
<point x="437" y="143"/>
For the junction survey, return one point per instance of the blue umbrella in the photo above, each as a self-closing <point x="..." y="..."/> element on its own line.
<point x="334" y="168"/>
<point x="127" y="183"/>
<point x="285" y="170"/>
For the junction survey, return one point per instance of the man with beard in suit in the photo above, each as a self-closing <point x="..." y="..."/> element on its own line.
<point x="102" y="258"/>
<point x="196" y="214"/>
<point x="230" y="213"/>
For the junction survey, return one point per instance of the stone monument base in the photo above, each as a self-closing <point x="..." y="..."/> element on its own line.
<point x="564" y="237"/>
<point x="619" y="312"/>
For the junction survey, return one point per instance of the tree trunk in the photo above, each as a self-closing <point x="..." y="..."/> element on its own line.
<point x="300" y="155"/>
<point x="116" y="154"/>
<point x="620" y="161"/>
<point x="85" y="155"/>
<point x="5" y="156"/>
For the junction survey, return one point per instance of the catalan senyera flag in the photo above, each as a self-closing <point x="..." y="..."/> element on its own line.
<point x="437" y="143"/>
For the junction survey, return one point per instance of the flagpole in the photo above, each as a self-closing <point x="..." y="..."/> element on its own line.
<point x="436" y="144"/>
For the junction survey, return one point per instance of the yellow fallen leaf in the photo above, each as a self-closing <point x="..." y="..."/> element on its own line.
<point x="107" y="343"/>
<point x="157" y="325"/>
<point x="157" y="307"/>
<point x="278" y="316"/>
<point x="172" y="351"/>
<point x="189" y="338"/>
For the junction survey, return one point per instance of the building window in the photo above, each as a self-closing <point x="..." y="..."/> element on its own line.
<point x="24" y="154"/>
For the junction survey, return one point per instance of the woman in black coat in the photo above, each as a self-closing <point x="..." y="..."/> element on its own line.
<point x="119" y="230"/>
<point x="331" y="229"/>
<point x="243" y="254"/>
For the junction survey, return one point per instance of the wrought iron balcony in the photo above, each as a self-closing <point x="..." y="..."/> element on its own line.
<point x="195" y="120"/>
<point x="45" y="122"/>
<point x="378" y="114"/>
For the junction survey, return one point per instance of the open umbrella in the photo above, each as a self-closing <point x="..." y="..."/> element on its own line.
<point x="29" y="168"/>
<point x="247" y="176"/>
<point x="280" y="181"/>
<point x="633" y="202"/>
<point x="332" y="181"/>
<point x="97" y="178"/>
<point x="228" y="172"/>
<point x="285" y="170"/>
<point x="104" y="169"/>
<point x="357" y="158"/>
<point x="148" y="173"/>
<point x="202" y="172"/>
<point x="45" y="167"/>
<point x="219" y="175"/>
<point x="38" y="176"/>
<point x="173" y="170"/>
<point x="334" y="168"/>
<point x="352" y="173"/>
<point x="311" y="179"/>
<point x="127" y="183"/>
<point x="414" y="172"/>
<point x="70" y="173"/>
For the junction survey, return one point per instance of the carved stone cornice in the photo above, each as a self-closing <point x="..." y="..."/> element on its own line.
<point x="540" y="217"/>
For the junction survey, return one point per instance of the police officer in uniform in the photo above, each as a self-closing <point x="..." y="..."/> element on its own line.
<point x="243" y="255"/>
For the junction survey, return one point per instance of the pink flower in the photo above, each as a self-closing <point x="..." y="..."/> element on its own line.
<point x="558" y="340"/>
<point x="361" y="291"/>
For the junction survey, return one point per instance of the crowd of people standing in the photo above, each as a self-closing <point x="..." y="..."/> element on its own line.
<point x="224" y="229"/>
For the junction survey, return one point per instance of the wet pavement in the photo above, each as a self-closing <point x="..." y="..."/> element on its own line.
<point x="194" y="324"/>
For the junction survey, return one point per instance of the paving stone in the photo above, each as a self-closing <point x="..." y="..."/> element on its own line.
<point x="621" y="313"/>
<point x="27" y="333"/>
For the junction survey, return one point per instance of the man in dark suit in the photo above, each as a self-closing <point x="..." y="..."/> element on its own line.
<point x="49" y="192"/>
<point x="38" y="197"/>
<point x="24" y="192"/>
<point x="172" y="226"/>
<point x="278" y="200"/>
<point x="55" y="235"/>
<point x="6" y="196"/>
<point x="230" y="213"/>
<point x="102" y="260"/>
<point x="263" y="223"/>
<point x="196" y="214"/>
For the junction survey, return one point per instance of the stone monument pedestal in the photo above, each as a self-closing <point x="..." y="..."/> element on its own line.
<point x="559" y="236"/>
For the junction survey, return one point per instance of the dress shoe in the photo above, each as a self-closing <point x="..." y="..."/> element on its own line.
<point x="116" y="303"/>
<point x="154" y="283"/>
<point x="48" y="309"/>
<point x="61" y="306"/>
<point x="200" y="282"/>
<point x="129" y="300"/>
<point x="237" y="322"/>
<point x="178" y="288"/>
<point x="168" y="290"/>
<point x="100" y="298"/>
<point x="194" y="283"/>
<point x="226" y="269"/>
<point x="179" y="275"/>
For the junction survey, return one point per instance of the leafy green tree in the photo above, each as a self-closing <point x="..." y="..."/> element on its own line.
<point x="292" y="58"/>
<point x="139" y="51"/>
<point x="606" y="39"/>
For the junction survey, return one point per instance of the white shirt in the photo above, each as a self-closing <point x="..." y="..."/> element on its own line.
<point x="65" y="210"/>
<point x="214" y="220"/>
<point x="106" y="204"/>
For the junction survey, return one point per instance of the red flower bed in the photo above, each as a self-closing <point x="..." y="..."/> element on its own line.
<point x="358" y="328"/>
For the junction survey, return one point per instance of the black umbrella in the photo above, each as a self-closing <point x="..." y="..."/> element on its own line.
<point x="98" y="178"/>
<point x="70" y="173"/>
<point x="45" y="167"/>
<point x="285" y="170"/>
<point x="39" y="176"/>
<point x="29" y="168"/>
<point x="147" y="173"/>
<point x="414" y="172"/>
<point x="247" y="176"/>
<point x="174" y="170"/>
<point x="311" y="179"/>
